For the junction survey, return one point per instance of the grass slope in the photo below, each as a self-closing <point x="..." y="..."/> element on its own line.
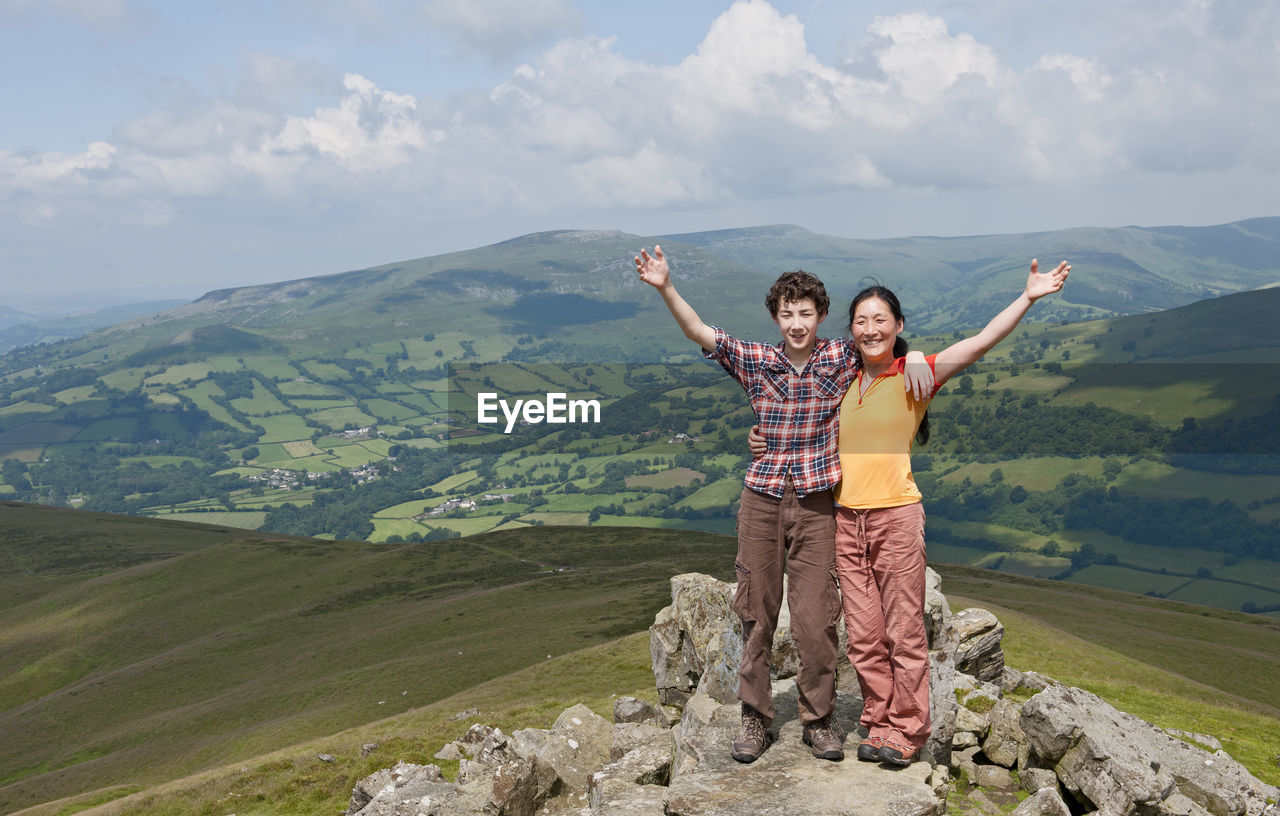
<point x="194" y="646"/>
<point x="170" y="649"/>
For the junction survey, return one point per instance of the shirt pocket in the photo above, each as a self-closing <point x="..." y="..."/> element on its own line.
<point x="774" y="384"/>
<point x="828" y="384"/>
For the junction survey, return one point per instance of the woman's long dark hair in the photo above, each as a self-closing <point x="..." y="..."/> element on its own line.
<point x="899" y="344"/>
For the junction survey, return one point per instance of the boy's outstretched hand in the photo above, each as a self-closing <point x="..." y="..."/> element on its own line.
<point x="653" y="268"/>
<point x="1040" y="285"/>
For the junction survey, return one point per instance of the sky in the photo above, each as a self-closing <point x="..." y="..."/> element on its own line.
<point x="152" y="150"/>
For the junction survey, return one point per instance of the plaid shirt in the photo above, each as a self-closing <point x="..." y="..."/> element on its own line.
<point x="797" y="412"/>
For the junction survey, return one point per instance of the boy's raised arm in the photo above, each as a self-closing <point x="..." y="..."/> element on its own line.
<point x="654" y="271"/>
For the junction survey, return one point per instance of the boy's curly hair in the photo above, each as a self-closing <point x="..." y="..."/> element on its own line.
<point x="798" y="285"/>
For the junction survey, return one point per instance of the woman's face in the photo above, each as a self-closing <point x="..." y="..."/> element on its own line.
<point x="874" y="329"/>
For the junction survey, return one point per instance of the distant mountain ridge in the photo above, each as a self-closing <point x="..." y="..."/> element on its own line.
<point x="578" y="289"/>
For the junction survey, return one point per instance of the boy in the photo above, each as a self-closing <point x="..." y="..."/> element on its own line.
<point x="786" y="518"/>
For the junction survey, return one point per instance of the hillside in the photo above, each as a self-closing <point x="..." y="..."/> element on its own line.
<point x="182" y="648"/>
<point x="959" y="282"/>
<point x="346" y="406"/>
<point x="139" y="650"/>
<point x="18" y="329"/>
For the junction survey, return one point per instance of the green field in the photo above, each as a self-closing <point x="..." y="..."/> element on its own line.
<point x="296" y="388"/>
<point x="336" y="418"/>
<point x="1128" y="580"/>
<point x="283" y="428"/>
<point x="262" y="403"/>
<point x="1033" y="473"/>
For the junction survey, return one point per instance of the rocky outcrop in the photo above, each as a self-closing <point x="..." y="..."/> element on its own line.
<point x="696" y="645"/>
<point x="1122" y="764"/>
<point x="1070" y="750"/>
<point x="978" y="653"/>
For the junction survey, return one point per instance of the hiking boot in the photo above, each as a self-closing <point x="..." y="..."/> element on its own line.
<point x="825" y="737"/>
<point x="869" y="749"/>
<point x="752" y="738"/>
<point x="895" y="754"/>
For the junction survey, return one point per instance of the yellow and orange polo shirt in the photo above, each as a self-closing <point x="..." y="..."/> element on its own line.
<point x="876" y="431"/>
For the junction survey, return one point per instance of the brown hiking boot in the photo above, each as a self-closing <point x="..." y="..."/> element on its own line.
<point x="826" y="738"/>
<point x="752" y="738"/>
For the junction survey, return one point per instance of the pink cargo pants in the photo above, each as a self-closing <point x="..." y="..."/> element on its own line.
<point x="880" y="559"/>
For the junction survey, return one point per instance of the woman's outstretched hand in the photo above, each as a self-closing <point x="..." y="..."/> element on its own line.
<point x="1039" y="285"/>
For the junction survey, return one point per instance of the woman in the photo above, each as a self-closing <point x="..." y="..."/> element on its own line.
<point x="880" y="551"/>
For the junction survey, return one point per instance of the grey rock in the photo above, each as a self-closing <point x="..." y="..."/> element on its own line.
<point x="674" y="674"/>
<point x="942" y="699"/>
<point x="647" y="765"/>
<point x="937" y="612"/>
<point x="515" y="788"/>
<point x="580" y="742"/>
<point x="681" y="633"/>
<point x="527" y="742"/>
<point x="703" y="608"/>
<point x="381" y="793"/>
<point x="471" y="741"/>
<point x="495" y="750"/>
<point x="466" y="715"/>
<point x="1035" y="681"/>
<point x="965" y="682"/>
<point x="632" y="710"/>
<point x="705" y="734"/>
<point x="1034" y="779"/>
<point x="450" y="751"/>
<point x="944" y="643"/>
<point x="325" y="757"/>
<point x="1010" y="679"/>
<point x="668" y="716"/>
<point x="971" y="721"/>
<point x="633" y="800"/>
<point x="1204" y="740"/>
<point x="629" y="736"/>
<point x="993" y="776"/>
<point x="962" y="755"/>
<point x="1178" y="805"/>
<point x="368" y="748"/>
<point x="1121" y="763"/>
<point x="1004" y="739"/>
<point x="719" y="679"/>
<point x="979" y="652"/>
<point x="787" y="779"/>
<point x="1044" y="802"/>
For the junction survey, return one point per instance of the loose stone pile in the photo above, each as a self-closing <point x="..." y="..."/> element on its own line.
<point x="1063" y="745"/>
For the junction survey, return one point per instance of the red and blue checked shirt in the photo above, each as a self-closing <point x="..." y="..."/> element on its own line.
<point x="797" y="411"/>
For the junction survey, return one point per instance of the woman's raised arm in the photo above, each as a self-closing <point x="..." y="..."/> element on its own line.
<point x="959" y="356"/>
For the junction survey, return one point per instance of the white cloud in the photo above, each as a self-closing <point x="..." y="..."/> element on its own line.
<point x="751" y="115"/>
<point x="370" y="130"/>
<point x="42" y="170"/>
<point x="501" y="28"/>
<point x="923" y="61"/>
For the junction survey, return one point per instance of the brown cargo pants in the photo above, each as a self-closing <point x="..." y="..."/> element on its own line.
<point x="795" y="534"/>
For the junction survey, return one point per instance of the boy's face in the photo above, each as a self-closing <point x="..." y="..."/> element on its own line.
<point x="798" y="320"/>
